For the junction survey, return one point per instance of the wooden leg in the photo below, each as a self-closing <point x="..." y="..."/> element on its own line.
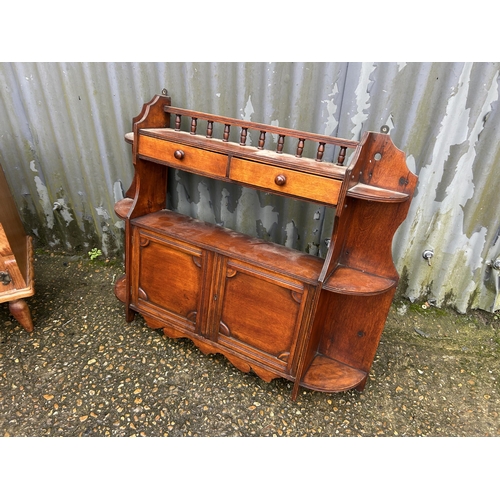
<point x="129" y="314"/>
<point x="20" y="310"/>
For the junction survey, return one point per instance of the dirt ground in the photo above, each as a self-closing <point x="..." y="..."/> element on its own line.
<point x="84" y="371"/>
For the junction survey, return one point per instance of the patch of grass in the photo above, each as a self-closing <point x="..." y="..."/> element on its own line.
<point x="416" y="307"/>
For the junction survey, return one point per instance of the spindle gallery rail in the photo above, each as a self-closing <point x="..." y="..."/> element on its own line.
<point x="262" y="129"/>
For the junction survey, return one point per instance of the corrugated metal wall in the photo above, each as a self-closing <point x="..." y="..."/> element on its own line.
<point x="61" y="142"/>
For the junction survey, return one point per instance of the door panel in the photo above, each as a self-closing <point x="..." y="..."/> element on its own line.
<point x="170" y="279"/>
<point x="260" y="313"/>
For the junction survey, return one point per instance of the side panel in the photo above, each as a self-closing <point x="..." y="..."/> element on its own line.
<point x="350" y="326"/>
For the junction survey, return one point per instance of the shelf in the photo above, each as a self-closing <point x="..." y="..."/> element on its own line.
<point x="287" y="261"/>
<point x="373" y="193"/>
<point x="328" y="375"/>
<point x="356" y="282"/>
<point x="122" y="207"/>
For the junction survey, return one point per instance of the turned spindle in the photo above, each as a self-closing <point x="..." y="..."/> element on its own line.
<point x="300" y="148"/>
<point x="341" y="158"/>
<point x="227" y="129"/>
<point x="281" y="142"/>
<point x="243" y="136"/>
<point x="193" y="125"/>
<point x="262" y="140"/>
<point x="210" y="129"/>
<point x="321" y="150"/>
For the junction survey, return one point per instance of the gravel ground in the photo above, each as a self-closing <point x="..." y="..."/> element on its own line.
<point x="84" y="371"/>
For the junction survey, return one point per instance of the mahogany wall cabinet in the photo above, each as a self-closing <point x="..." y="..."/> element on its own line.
<point x="267" y="308"/>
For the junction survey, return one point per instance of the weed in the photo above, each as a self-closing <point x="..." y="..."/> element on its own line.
<point x="94" y="253"/>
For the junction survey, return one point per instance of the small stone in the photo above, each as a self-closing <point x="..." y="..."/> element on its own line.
<point x="48" y="397"/>
<point x="91" y="361"/>
<point x="83" y="418"/>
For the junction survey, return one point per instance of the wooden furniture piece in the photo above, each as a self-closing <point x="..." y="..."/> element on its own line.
<point x="16" y="259"/>
<point x="267" y="308"/>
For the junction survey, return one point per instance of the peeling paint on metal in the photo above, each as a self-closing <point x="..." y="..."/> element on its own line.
<point x="458" y="257"/>
<point x="45" y="203"/>
<point x="362" y="99"/>
<point x="291" y="235"/>
<point x="62" y="141"/>
<point x="102" y="213"/>
<point x="247" y="115"/>
<point x="64" y="211"/>
<point x="251" y="210"/>
<point x="331" y="122"/>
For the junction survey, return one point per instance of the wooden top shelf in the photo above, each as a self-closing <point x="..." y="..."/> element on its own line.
<point x="356" y="282"/>
<point x="373" y="193"/>
<point x="122" y="207"/>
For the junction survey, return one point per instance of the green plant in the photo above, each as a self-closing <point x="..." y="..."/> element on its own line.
<point x="94" y="253"/>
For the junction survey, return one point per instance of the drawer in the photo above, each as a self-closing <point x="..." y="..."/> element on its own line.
<point x="183" y="157"/>
<point x="281" y="180"/>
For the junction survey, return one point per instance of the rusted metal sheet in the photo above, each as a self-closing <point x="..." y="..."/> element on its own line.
<point x="62" y="149"/>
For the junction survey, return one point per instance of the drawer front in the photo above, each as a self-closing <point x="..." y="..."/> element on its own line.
<point x="183" y="157"/>
<point x="282" y="180"/>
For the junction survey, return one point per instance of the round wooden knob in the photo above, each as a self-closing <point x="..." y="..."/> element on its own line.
<point x="179" y="154"/>
<point x="280" y="180"/>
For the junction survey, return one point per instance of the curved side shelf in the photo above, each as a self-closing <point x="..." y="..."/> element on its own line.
<point x="328" y="375"/>
<point x="122" y="207"/>
<point x="355" y="282"/>
<point x="373" y="193"/>
<point x="120" y="288"/>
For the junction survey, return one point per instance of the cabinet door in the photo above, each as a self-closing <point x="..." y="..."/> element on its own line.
<point x="168" y="283"/>
<point x="260" y="314"/>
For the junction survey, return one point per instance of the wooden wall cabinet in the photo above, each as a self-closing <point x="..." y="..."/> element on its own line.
<point x="267" y="308"/>
<point x="16" y="259"/>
